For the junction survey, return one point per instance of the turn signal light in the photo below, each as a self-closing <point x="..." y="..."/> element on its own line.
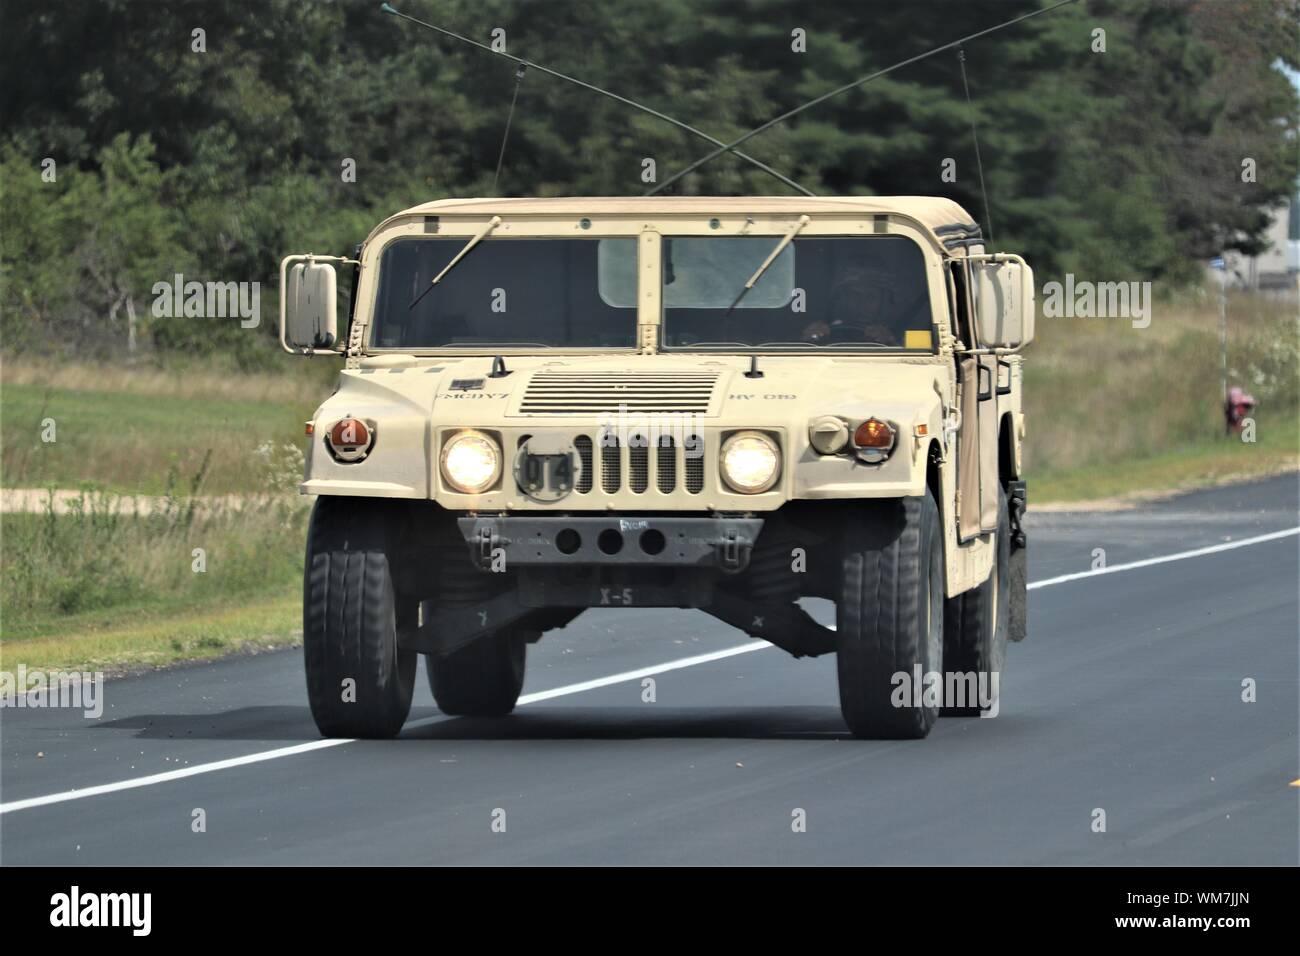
<point x="349" y="439"/>
<point x="873" y="440"/>
<point x="873" y="433"/>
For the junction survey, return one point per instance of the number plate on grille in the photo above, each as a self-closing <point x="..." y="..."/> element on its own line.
<point x="546" y="470"/>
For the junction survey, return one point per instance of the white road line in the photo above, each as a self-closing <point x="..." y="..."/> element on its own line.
<point x="564" y="691"/>
<point x="644" y="672"/>
<point x="1165" y="559"/>
<point x="296" y="749"/>
<point x="169" y="775"/>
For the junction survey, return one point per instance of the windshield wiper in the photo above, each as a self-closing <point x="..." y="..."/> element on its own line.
<point x="494" y="345"/>
<point x="483" y="233"/>
<point x="714" y="345"/>
<point x="780" y="248"/>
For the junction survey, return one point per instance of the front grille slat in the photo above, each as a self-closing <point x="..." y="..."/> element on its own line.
<point x="638" y="465"/>
<point x="587" y="476"/>
<point x="666" y="465"/>
<point x="610" y="466"/>
<point x="693" y="463"/>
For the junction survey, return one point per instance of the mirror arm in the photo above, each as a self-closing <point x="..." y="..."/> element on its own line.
<point x="1013" y="350"/>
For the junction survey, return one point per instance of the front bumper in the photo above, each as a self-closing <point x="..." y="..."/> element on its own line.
<point x="723" y="543"/>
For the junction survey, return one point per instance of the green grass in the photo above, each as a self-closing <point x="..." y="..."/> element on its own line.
<point x="129" y="442"/>
<point x="111" y="587"/>
<point x="126" y="639"/>
<point x="1194" y="465"/>
<point x="119" y="583"/>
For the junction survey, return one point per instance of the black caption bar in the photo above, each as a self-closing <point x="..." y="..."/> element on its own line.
<point x="337" y="906"/>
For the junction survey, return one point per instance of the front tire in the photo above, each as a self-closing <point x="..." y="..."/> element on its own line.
<point x="359" y="681"/>
<point x="890" y="616"/>
<point x="482" y="679"/>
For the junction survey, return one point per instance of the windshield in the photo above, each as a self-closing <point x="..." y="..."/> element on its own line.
<point x="507" y="293"/>
<point x="820" y="292"/>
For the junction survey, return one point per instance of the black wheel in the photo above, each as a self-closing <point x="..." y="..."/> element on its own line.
<point x="359" y="682"/>
<point x="890" y="616"/>
<point x="976" y="624"/>
<point x="482" y="679"/>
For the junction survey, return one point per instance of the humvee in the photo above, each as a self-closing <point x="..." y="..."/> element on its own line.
<point x="727" y="404"/>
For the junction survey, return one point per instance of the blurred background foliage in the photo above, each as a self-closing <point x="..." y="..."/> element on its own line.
<point x="1121" y="165"/>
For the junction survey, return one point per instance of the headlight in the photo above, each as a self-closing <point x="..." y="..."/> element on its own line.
<point x="471" y="462"/>
<point x="750" y="462"/>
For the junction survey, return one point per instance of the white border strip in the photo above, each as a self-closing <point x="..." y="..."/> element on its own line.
<point x="566" y="690"/>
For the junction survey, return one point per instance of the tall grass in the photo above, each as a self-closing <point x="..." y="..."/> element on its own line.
<point x="208" y="378"/>
<point x="1099" y="391"/>
<point x="124" y="429"/>
<point x="108" y="553"/>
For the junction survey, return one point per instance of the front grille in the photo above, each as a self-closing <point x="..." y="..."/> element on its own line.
<point x="594" y="392"/>
<point x="607" y="466"/>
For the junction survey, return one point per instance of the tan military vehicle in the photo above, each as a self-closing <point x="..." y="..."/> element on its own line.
<point x="728" y="404"/>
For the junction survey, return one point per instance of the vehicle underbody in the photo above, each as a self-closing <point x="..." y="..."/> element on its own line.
<point x="541" y="572"/>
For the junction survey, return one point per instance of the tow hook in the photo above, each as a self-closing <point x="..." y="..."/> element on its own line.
<point x="486" y="541"/>
<point x="733" y="559"/>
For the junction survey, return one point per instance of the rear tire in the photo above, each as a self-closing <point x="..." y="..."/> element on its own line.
<point x="890" y="615"/>
<point x="976" y="623"/>
<point x="482" y="679"/>
<point x="359" y="681"/>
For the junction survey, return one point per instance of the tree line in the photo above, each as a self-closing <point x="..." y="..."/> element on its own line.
<point x="1120" y="139"/>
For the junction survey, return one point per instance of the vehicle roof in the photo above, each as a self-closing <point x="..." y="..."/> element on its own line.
<point x="942" y="217"/>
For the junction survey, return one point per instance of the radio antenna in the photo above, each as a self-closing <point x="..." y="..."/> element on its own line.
<point x="979" y="163"/>
<point x="519" y="79"/>
<point x="731" y="147"/>
<point x="723" y="147"/>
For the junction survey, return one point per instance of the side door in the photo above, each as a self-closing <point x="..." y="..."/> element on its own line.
<point x="977" y="443"/>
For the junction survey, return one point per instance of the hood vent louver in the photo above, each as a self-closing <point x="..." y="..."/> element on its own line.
<point x="596" y="392"/>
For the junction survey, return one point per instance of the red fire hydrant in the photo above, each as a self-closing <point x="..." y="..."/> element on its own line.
<point x="1236" y="408"/>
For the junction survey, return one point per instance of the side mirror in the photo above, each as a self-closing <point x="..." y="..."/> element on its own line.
<point x="308" y="305"/>
<point x="1004" y="301"/>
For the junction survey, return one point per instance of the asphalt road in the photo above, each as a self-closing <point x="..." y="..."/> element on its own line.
<point x="1127" y="697"/>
